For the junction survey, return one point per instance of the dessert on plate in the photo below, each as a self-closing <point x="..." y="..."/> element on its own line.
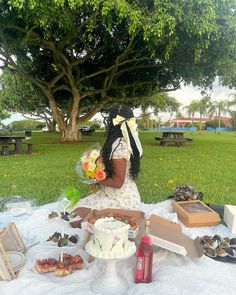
<point x="63" y="240"/>
<point x="59" y="268"/>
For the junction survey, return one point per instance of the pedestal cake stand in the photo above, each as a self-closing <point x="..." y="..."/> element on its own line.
<point x="110" y="283"/>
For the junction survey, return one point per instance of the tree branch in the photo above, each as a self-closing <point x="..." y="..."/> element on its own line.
<point x="93" y="110"/>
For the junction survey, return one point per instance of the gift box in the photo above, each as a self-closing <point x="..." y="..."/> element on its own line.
<point x="230" y="217"/>
<point x="168" y="235"/>
<point x="196" y="214"/>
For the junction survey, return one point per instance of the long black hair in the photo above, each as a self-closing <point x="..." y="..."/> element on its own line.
<point x="113" y="133"/>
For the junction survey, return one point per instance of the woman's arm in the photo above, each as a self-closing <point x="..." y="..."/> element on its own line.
<point x="118" y="174"/>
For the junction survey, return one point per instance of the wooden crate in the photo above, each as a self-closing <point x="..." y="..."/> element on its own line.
<point x="196" y="214"/>
<point x="10" y="240"/>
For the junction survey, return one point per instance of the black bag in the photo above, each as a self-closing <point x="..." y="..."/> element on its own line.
<point x="186" y="193"/>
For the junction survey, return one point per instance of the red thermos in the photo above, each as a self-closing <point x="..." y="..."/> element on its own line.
<point x="143" y="271"/>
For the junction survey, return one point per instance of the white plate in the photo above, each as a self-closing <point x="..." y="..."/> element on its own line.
<point x="47" y="275"/>
<point x="16" y="259"/>
<point x="54" y="245"/>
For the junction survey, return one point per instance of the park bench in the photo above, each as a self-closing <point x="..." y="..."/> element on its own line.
<point x="177" y="141"/>
<point x="5" y="148"/>
<point x="29" y="147"/>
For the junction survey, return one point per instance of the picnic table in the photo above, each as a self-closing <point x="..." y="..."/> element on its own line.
<point x="7" y="140"/>
<point x="172" y="273"/>
<point x="176" y="137"/>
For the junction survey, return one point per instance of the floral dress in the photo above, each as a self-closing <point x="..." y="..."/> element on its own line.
<point x="126" y="197"/>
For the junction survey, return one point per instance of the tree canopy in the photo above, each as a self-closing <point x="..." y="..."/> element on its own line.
<point x="88" y="55"/>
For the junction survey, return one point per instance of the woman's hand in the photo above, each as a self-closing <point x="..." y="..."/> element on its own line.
<point x="94" y="186"/>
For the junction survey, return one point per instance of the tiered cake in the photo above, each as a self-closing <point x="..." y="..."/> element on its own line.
<point x="110" y="239"/>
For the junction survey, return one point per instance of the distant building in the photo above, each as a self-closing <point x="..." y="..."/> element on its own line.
<point x="182" y="122"/>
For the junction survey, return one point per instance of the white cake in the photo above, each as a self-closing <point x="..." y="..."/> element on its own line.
<point x="110" y="239"/>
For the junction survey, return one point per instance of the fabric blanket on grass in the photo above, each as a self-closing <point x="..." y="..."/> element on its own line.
<point x="172" y="273"/>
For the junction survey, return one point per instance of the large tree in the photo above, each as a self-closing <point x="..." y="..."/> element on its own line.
<point x="19" y="95"/>
<point x="97" y="52"/>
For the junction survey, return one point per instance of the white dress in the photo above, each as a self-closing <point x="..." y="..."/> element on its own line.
<point x="126" y="197"/>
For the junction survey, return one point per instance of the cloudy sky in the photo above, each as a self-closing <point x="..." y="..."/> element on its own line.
<point x="187" y="93"/>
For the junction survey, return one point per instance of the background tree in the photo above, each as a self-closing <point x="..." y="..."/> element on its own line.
<point x="204" y="105"/>
<point x="160" y="102"/>
<point x="192" y="108"/>
<point x="3" y="115"/>
<point x="26" y="124"/>
<point x="218" y="108"/>
<point x="19" y="95"/>
<point x="215" y="123"/>
<point x="233" y="118"/>
<point x="99" y="52"/>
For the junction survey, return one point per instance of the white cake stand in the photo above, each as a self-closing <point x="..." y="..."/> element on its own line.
<point x="110" y="283"/>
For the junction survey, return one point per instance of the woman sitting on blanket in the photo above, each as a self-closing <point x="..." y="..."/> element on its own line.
<point x="121" y="155"/>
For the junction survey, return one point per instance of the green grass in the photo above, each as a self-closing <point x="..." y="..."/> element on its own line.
<point x="208" y="164"/>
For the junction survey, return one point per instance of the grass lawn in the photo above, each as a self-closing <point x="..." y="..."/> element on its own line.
<point x="208" y="164"/>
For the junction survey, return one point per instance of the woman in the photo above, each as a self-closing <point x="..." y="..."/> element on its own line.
<point x="121" y="155"/>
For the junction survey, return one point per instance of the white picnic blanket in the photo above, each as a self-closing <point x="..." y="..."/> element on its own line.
<point x="173" y="274"/>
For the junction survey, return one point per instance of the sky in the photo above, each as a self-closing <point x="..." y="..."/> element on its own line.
<point x="188" y="93"/>
<point x="184" y="95"/>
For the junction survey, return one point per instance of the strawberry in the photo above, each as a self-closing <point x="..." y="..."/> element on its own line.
<point x="52" y="261"/>
<point x="66" y="256"/>
<point x="75" y="259"/>
<point x="60" y="265"/>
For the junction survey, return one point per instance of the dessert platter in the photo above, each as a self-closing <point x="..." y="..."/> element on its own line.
<point x="66" y="216"/>
<point x="59" y="267"/>
<point x="218" y="248"/>
<point x="110" y="243"/>
<point x="58" y="239"/>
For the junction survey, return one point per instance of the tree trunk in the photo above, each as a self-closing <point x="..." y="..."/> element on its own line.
<point x="69" y="134"/>
<point x="68" y="128"/>
<point x="51" y="125"/>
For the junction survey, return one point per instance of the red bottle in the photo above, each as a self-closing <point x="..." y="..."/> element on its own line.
<point x="143" y="271"/>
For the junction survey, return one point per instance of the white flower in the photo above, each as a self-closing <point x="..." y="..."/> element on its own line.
<point x="94" y="154"/>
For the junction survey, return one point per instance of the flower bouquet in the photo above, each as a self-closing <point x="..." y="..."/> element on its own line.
<point x="90" y="168"/>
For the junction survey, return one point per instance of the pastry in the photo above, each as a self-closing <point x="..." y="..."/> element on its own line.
<point x="76" y="262"/>
<point x="46" y="265"/>
<point x="62" y="269"/>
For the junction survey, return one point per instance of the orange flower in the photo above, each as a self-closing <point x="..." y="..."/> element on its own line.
<point x="100" y="174"/>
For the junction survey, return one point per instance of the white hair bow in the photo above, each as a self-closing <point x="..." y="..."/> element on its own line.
<point x="133" y="129"/>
